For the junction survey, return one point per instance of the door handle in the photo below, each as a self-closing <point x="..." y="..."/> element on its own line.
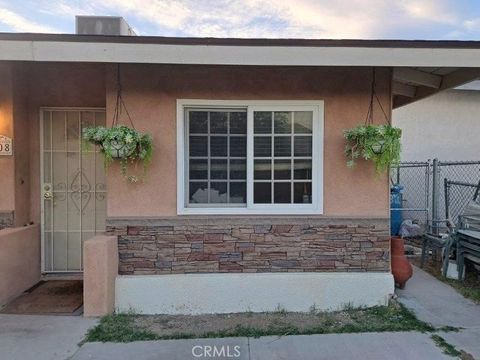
<point x="47" y="191"/>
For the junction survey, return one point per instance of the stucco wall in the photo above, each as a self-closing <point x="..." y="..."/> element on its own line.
<point x="24" y="89"/>
<point x="21" y="133"/>
<point x="14" y="169"/>
<point x="63" y="85"/>
<point x="7" y="164"/>
<point x="443" y="126"/>
<point x="150" y="93"/>
<point x="19" y="261"/>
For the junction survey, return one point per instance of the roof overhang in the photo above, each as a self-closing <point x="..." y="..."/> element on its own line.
<point x="276" y="52"/>
<point x="413" y="84"/>
<point x="421" y="68"/>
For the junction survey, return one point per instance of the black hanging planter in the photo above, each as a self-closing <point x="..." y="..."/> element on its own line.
<point x="378" y="143"/>
<point x="121" y="143"/>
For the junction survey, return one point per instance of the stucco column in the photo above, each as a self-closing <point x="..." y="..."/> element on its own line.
<point x="100" y="263"/>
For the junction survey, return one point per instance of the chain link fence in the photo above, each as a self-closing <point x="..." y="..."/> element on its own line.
<point x="424" y="189"/>
<point x="414" y="177"/>
<point x="458" y="173"/>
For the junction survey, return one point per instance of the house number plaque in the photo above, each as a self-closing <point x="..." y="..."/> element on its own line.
<point x="6" y="147"/>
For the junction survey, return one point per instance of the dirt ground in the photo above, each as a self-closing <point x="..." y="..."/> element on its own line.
<point x="165" y="325"/>
<point x="393" y="317"/>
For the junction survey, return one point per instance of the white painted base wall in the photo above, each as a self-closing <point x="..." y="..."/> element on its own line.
<point x="229" y="293"/>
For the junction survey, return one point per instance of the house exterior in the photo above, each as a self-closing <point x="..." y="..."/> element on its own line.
<point x="451" y="116"/>
<point x="248" y="203"/>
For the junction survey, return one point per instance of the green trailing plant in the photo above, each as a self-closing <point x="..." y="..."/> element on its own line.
<point x="121" y="143"/>
<point x="378" y="143"/>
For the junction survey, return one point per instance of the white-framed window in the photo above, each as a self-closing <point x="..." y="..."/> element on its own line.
<point x="249" y="157"/>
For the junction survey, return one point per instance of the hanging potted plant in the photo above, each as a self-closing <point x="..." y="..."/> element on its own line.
<point x="121" y="143"/>
<point x="377" y="143"/>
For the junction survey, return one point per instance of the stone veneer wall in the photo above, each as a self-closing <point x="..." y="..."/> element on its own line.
<point x="6" y="219"/>
<point x="274" y="244"/>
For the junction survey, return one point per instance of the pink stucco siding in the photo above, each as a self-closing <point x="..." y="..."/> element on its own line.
<point x="150" y="93"/>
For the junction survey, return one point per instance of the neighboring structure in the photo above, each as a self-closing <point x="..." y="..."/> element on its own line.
<point x="249" y="184"/>
<point x="444" y="126"/>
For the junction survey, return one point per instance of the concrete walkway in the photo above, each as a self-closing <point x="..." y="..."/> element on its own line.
<point x="440" y="305"/>
<point x="41" y="337"/>
<point x="372" y="346"/>
<point x="26" y="337"/>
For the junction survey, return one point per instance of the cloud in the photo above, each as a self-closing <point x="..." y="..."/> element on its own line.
<point x="19" y="23"/>
<point x="64" y="9"/>
<point x="430" y="10"/>
<point x="172" y="14"/>
<point x="270" y="18"/>
<point x="286" y="18"/>
<point x="472" y="24"/>
<point x="252" y="18"/>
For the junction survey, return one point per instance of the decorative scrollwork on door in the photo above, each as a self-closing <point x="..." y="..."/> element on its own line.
<point x="80" y="191"/>
<point x="73" y="188"/>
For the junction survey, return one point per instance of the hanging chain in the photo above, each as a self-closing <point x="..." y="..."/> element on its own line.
<point x="119" y="103"/>
<point x="374" y="96"/>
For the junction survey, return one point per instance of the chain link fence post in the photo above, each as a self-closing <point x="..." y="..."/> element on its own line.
<point x="435" y="196"/>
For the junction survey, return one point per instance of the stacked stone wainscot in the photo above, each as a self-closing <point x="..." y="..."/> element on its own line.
<point x="219" y="244"/>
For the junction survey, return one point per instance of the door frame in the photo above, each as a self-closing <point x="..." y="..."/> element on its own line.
<point x="42" y="109"/>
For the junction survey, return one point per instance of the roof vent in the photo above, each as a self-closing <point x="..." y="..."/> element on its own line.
<point x="102" y="25"/>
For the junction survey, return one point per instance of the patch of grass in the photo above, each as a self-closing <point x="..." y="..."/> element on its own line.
<point x="349" y="307"/>
<point x="469" y="288"/>
<point x="118" y="328"/>
<point x="280" y="310"/>
<point x="448" y="328"/>
<point x="394" y="317"/>
<point x="447" y="348"/>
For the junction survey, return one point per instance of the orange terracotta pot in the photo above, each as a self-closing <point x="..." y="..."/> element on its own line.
<point x="401" y="268"/>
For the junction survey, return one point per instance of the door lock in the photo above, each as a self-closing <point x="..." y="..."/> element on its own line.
<point x="47" y="191"/>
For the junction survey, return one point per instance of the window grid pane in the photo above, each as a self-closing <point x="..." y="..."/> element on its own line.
<point x="287" y="139"/>
<point x="216" y="157"/>
<point x="212" y="147"/>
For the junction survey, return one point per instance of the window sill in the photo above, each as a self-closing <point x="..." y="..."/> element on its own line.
<point x="291" y="210"/>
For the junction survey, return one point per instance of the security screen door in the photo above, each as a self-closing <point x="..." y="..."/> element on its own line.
<point x="72" y="187"/>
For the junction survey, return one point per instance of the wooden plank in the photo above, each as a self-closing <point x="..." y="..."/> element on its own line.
<point x="403" y="89"/>
<point x="417" y="77"/>
<point x="450" y="81"/>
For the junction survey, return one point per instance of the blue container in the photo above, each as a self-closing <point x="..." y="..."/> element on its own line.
<point x="396" y="202"/>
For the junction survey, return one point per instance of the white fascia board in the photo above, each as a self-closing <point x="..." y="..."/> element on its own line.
<point x="236" y="55"/>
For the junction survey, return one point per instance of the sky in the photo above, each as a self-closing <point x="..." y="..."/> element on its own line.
<point x="333" y="19"/>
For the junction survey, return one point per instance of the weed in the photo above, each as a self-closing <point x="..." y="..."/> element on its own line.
<point x="447" y="348"/>
<point x="394" y="317"/>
